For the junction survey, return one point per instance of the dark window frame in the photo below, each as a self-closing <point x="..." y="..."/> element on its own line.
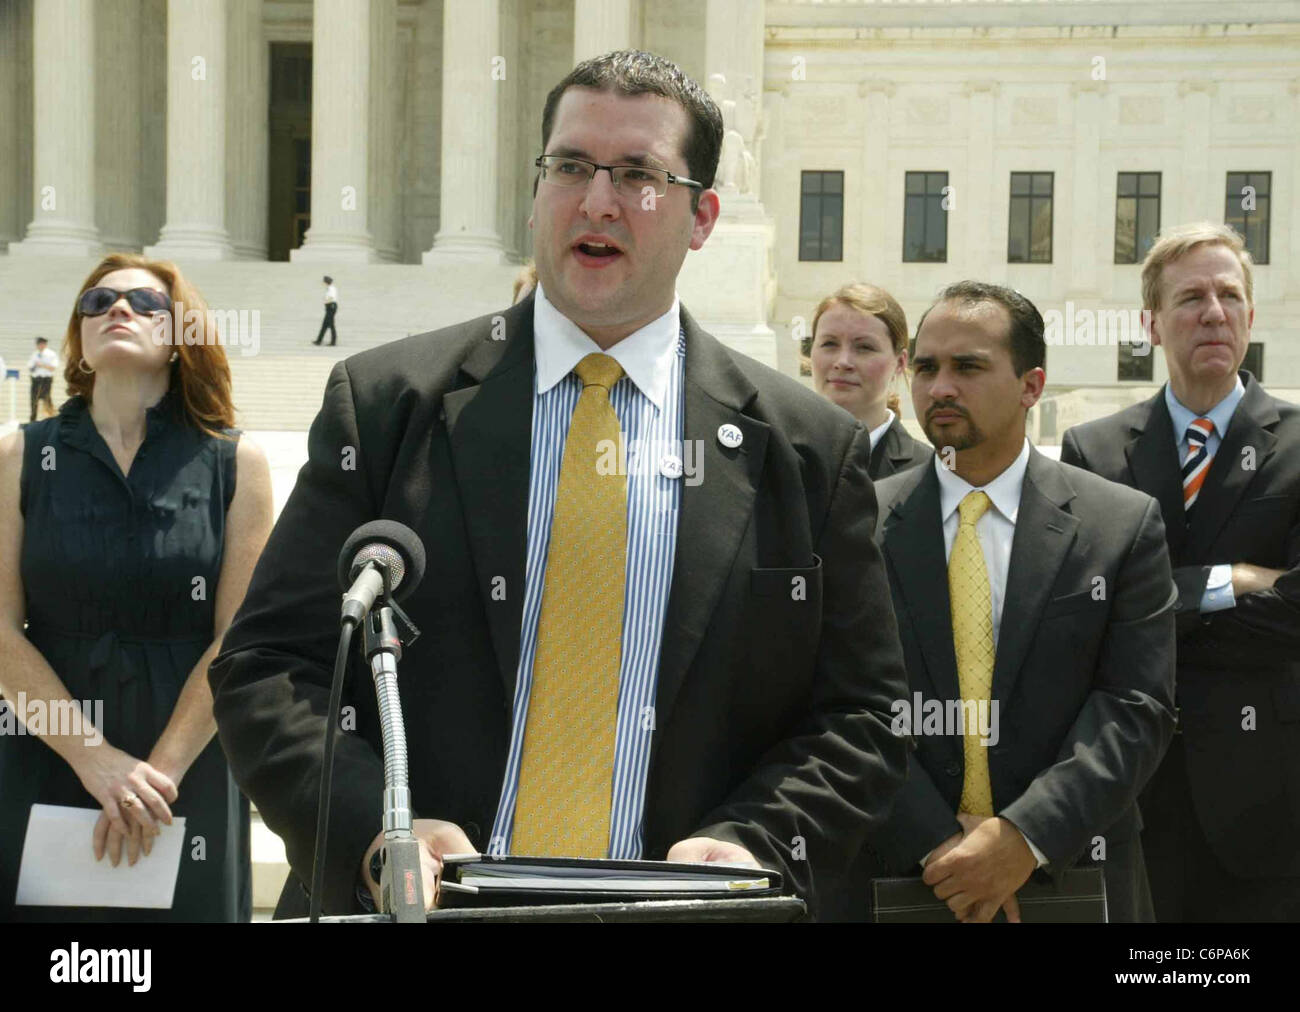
<point x="1030" y="197"/>
<point x="1256" y="348"/>
<point x="1138" y="253"/>
<point x="1233" y="195"/>
<point x="928" y="198"/>
<point x="825" y="246"/>
<point x="1124" y="355"/>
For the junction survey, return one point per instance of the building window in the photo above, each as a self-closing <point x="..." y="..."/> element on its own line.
<point x="1135" y="368"/>
<point x="1029" y="236"/>
<point x="1137" y="215"/>
<point x="1254" y="360"/>
<point x="1246" y="210"/>
<point x="925" y="218"/>
<point x="821" y="216"/>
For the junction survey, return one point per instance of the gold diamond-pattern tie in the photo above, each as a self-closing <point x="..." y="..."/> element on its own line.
<point x="972" y="638"/>
<point x="567" y="768"/>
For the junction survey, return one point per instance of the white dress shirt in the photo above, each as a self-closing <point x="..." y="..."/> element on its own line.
<point x="43" y="363"/>
<point x="996" y="530"/>
<point x="331" y="294"/>
<point x="881" y="429"/>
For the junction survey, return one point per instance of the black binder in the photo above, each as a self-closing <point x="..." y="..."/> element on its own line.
<point x="603" y="881"/>
<point x="1079" y="899"/>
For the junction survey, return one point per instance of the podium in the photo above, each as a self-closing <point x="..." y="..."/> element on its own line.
<point x="760" y="910"/>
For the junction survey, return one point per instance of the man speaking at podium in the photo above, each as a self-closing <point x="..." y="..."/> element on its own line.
<point x="653" y="623"/>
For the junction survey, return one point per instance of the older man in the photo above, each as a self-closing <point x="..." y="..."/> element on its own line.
<point x="1222" y="814"/>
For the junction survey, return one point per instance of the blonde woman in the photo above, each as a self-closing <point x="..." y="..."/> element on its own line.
<point x="859" y="353"/>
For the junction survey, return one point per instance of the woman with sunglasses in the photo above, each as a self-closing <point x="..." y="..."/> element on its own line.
<point x="129" y="526"/>
<point x="858" y="351"/>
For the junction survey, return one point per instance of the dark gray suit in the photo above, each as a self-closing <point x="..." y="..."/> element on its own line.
<point x="1083" y="680"/>
<point x="772" y="708"/>
<point x="1224" y="790"/>
<point x="897" y="451"/>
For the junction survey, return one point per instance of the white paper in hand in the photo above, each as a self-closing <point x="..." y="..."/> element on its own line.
<point x="59" y="867"/>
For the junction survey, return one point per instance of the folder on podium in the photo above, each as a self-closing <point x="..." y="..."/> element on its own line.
<point x="476" y="880"/>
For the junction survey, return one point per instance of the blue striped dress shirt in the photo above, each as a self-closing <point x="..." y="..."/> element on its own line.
<point x="648" y="402"/>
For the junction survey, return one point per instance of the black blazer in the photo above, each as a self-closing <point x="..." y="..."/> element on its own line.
<point x="771" y="723"/>
<point x="1083" y="676"/>
<point x="897" y="451"/>
<point x="1245" y="783"/>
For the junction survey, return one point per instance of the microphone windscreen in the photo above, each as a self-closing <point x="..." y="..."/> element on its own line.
<point x="376" y="535"/>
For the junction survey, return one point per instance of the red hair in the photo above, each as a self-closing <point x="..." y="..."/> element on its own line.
<point x="201" y="371"/>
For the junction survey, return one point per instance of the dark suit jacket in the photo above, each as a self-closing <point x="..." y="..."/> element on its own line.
<point x="1245" y="783"/>
<point x="771" y="726"/>
<point x="897" y="451"/>
<point x="1083" y="676"/>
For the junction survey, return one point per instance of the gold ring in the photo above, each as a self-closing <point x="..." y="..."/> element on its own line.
<point x="128" y="801"/>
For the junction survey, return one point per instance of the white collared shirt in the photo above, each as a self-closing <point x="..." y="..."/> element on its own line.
<point x="881" y="429"/>
<point x="996" y="528"/>
<point x="331" y="293"/>
<point x="43" y="363"/>
<point x="646" y="355"/>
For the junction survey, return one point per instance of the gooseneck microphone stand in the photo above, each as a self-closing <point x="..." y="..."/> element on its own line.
<point x="401" y="886"/>
<point x="385" y="629"/>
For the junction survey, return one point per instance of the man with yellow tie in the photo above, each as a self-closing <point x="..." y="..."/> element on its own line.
<point x="654" y="624"/>
<point x="1035" y="608"/>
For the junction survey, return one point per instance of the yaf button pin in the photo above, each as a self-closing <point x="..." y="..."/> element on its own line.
<point x="670" y="465"/>
<point x="730" y="436"/>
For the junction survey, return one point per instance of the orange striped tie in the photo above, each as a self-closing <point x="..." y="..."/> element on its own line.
<point x="1197" y="464"/>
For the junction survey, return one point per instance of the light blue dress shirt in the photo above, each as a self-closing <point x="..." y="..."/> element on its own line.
<point x="1218" y="593"/>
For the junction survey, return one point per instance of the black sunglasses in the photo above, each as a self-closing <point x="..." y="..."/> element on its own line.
<point x="144" y="301"/>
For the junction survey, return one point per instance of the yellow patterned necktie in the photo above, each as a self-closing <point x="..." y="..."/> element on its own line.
<point x="567" y="768"/>
<point x="972" y="638"/>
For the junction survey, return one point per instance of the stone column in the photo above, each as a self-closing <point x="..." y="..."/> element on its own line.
<point x="1088" y="220"/>
<point x="730" y="282"/>
<point x="601" y="26"/>
<point x="340" y="135"/>
<point x="15" y="143"/>
<point x="63" y="169"/>
<point x="1202" y="196"/>
<point x="118" y="126"/>
<point x="197" y="88"/>
<point x="247" y="130"/>
<point x="385" y="91"/>
<point x="976" y="204"/>
<point x="878" y="221"/>
<point x="1291" y="247"/>
<point x="471" y="87"/>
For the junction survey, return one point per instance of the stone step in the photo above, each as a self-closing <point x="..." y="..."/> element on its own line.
<point x="270" y="866"/>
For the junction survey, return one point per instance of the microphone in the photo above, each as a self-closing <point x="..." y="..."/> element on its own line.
<point x="378" y="555"/>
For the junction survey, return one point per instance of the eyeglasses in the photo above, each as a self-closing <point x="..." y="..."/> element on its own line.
<point x="144" y="301"/>
<point x="563" y="171"/>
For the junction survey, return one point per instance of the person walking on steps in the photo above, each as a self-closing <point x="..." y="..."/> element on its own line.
<point x="331" y="307"/>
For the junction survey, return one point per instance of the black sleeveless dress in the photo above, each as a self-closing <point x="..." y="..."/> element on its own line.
<point x="120" y="576"/>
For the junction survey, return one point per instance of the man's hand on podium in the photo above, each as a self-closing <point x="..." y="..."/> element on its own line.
<point x="704" y="850"/>
<point x="436" y="839"/>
